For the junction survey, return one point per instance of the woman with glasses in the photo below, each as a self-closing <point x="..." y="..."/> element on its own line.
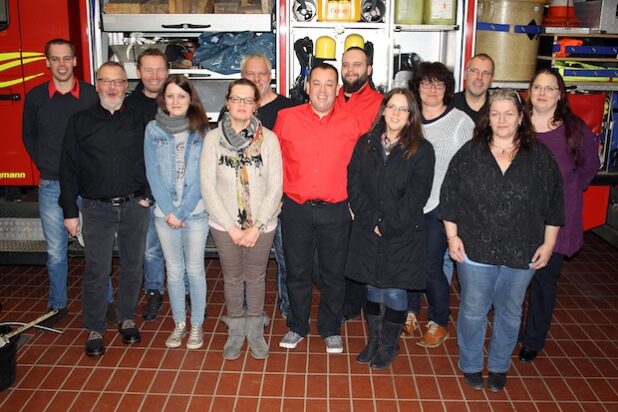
<point x="447" y="129"/>
<point x="574" y="149"/>
<point x="242" y="181"/>
<point x="389" y="181"/>
<point x="172" y="151"/>
<point x="502" y="206"/>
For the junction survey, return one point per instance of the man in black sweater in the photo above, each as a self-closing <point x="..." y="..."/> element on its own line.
<point x="103" y="162"/>
<point x="153" y="71"/>
<point x="46" y="112"/>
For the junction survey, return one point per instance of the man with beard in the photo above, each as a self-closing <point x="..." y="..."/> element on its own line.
<point x="47" y="110"/>
<point x="357" y="97"/>
<point x="153" y="71"/>
<point x="102" y="161"/>
<point x="479" y="75"/>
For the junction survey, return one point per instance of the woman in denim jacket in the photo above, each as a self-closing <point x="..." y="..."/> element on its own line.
<point x="172" y="151"/>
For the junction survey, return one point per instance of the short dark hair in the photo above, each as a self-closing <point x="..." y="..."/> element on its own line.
<point x="483" y="56"/>
<point x="198" y="121"/>
<point x="324" y="66"/>
<point x="151" y="51"/>
<point x="59" y="42"/>
<point x="360" y="49"/>
<point x="244" y="82"/>
<point x="433" y="71"/>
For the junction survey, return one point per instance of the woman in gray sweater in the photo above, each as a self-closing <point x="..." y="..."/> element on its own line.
<point x="241" y="179"/>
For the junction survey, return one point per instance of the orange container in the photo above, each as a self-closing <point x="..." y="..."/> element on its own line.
<point x="346" y="10"/>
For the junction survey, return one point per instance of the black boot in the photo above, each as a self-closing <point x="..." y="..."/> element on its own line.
<point x="374" y="326"/>
<point x="392" y="324"/>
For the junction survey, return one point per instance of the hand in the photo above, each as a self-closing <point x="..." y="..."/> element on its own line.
<point x="250" y="237"/>
<point x="456" y="249"/>
<point x="237" y="235"/>
<point x="376" y="230"/>
<point x="541" y="257"/>
<point x="72" y="225"/>
<point x="173" y="222"/>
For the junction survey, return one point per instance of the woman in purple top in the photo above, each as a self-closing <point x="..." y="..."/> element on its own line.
<point x="574" y="149"/>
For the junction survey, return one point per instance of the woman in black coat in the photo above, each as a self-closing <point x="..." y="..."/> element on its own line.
<point x="389" y="181"/>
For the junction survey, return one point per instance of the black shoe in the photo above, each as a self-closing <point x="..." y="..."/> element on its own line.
<point x="52" y="320"/>
<point x="130" y="333"/>
<point x="474" y="380"/>
<point x="111" y="314"/>
<point x="351" y="316"/>
<point x="94" y="344"/>
<point x="527" y="355"/>
<point x="496" y="381"/>
<point x="153" y="306"/>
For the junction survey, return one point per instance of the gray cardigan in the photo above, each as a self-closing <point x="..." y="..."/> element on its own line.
<point x="218" y="182"/>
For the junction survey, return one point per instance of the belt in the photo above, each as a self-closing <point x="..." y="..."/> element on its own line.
<point x="316" y="202"/>
<point x="117" y="201"/>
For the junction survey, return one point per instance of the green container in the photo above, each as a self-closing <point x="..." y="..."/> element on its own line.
<point x="440" y="12"/>
<point x="409" y="11"/>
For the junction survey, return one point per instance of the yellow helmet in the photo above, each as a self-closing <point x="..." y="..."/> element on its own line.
<point x="354" y="40"/>
<point x="325" y="48"/>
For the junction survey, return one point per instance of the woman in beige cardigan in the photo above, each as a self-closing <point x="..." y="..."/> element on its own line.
<point x="241" y="178"/>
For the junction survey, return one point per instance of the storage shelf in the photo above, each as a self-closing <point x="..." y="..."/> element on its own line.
<point x="580" y="59"/>
<point x="185" y="23"/>
<point x="337" y="25"/>
<point x="424" y="27"/>
<point x="596" y="35"/>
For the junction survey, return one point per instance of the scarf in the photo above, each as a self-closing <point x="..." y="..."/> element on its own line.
<point x="171" y="124"/>
<point x="247" y="146"/>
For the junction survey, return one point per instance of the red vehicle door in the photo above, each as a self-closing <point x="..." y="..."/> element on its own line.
<point x="25" y="27"/>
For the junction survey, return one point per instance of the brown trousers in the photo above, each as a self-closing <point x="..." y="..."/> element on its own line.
<point x="243" y="269"/>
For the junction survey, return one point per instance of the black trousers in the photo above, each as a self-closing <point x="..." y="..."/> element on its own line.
<point x="306" y="227"/>
<point x="541" y="302"/>
<point x="102" y="222"/>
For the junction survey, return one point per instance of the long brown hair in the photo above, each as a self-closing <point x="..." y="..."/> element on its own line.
<point x="196" y="112"/>
<point x="524" y="135"/>
<point x="562" y="114"/>
<point x="412" y="133"/>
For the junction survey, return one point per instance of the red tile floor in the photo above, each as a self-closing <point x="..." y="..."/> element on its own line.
<point x="578" y="371"/>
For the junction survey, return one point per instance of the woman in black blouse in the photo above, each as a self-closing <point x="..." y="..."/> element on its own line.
<point x="389" y="182"/>
<point x="502" y="205"/>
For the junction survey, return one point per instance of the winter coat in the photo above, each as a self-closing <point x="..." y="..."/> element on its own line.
<point x="390" y="195"/>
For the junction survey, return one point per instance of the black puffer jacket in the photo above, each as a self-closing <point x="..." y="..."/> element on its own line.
<point x="390" y="194"/>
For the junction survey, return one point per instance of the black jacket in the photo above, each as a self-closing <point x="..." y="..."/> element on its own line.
<point x="390" y="194"/>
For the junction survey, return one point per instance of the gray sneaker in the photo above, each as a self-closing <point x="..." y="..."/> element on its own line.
<point x="196" y="338"/>
<point x="175" y="339"/>
<point x="290" y="340"/>
<point x="334" y="344"/>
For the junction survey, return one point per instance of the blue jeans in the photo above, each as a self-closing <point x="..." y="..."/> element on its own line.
<point x="393" y="298"/>
<point x="154" y="264"/>
<point x="283" y="301"/>
<point x="184" y="251"/>
<point x="438" y="284"/>
<point x="481" y="287"/>
<point x="56" y="242"/>
<point x="102" y="223"/>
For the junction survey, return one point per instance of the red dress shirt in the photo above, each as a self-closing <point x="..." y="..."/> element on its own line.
<point x="364" y="104"/>
<point x="316" y="152"/>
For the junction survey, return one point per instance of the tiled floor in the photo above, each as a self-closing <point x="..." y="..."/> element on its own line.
<point x="578" y="371"/>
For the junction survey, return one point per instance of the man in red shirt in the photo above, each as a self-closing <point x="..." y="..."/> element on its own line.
<point x="361" y="100"/>
<point x="317" y="140"/>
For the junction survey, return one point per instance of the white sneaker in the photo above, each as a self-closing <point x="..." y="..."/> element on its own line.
<point x="290" y="340"/>
<point x="196" y="338"/>
<point x="334" y="344"/>
<point x="175" y="339"/>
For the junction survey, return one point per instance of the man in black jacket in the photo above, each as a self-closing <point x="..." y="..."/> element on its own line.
<point x="103" y="162"/>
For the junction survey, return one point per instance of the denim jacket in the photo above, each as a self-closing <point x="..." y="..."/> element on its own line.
<point x="160" y="157"/>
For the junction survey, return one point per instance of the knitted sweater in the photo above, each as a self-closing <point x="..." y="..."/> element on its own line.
<point x="218" y="182"/>
<point x="447" y="134"/>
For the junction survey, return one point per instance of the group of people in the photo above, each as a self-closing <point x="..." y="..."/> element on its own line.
<point x="371" y="196"/>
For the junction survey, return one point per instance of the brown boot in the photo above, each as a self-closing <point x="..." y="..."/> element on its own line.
<point x="410" y="326"/>
<point x="434" y="336"/>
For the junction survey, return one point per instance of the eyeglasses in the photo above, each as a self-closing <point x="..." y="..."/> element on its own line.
<point x="116" y="82"/>
<point x="476" y="72"/>
<point x="399" y="109"/>
<point x="426" y="84"/>
<point x="244" y="100"/>
<point x="547" y="89"/>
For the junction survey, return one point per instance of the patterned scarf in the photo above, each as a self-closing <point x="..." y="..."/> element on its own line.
<point x="247" y="145"/>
